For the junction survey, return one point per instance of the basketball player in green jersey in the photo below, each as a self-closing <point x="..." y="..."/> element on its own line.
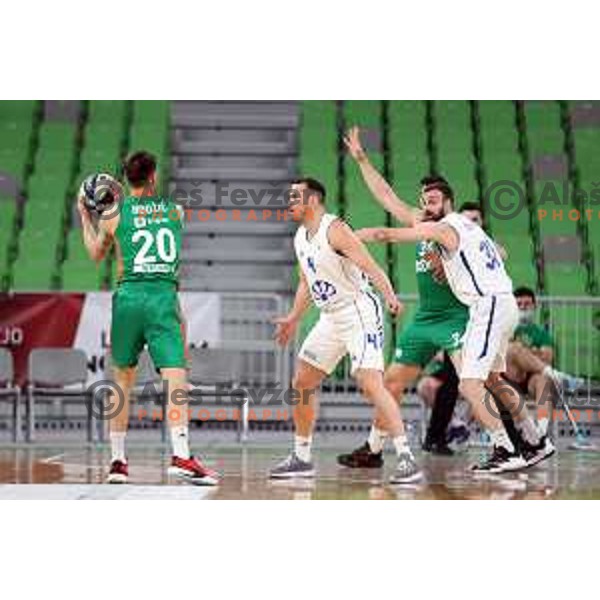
<point x="146" y="232"/>
<point x="440" y="320"/>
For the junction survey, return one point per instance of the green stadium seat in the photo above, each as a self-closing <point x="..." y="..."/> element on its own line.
<point x="361" y="209"/>
<point x="520" y="262"/>
<point x="8" y="211"/>
<point x="408" y="147"/>
<point x="108" y="112"/>
<point x="565" y="280"/>
<point x="454" y="142"/>
<point x="502" y="163"/>
<point x="318" y="148"/>
<point x="11" y="110"/>
<point x="79" y="272"/>
<point x="156" y="112"/>
<point x="544" y="130"/>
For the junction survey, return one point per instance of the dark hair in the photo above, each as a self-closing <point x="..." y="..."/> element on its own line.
<point x="313" y="185"/>
<point x="523" y="291"/>
<point x="471" y="206"/>
<point x="439" y="183"/>
<point x="139" y="167"/>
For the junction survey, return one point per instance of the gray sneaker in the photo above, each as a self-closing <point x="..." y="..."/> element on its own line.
<point x="292" y="466"/>
<point x="407" y="470"/>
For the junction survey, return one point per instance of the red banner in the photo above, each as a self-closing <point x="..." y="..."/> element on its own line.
<point x="30" y="321"/>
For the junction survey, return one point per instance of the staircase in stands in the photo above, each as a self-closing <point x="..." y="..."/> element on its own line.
<point x="230" y="158"/>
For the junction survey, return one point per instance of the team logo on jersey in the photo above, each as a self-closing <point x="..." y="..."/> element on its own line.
<point x="323" y="291"/>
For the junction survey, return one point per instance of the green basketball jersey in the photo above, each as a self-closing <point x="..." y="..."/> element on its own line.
<point x="533" y="336"/>
<point x="149" y="239"/>
<point x="434" y="297"/>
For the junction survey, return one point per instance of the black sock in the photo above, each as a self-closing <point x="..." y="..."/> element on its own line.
<point x="443" y="406"/>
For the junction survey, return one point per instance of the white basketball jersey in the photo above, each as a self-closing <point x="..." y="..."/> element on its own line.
<point x="333" y="280"/>
<point x="475" y="269"/>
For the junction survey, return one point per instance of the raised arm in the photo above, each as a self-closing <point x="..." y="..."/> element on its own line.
<point x="97" y="242"/>
<point x="345" y="241"/>
<point x="380" y="188"/>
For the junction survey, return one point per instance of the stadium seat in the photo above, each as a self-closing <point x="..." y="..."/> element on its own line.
<point x="361" y="209"/>
<point x="79" y="273"/>
<point x="56" y="373"/>
<point x="9" y="391"/>
<point x="16" y="126"/>
<point x="409" y="164"/>
<point x="502" y="168"/>
<point x="8" y="209"/>
<point x="454" y="143"/>
<point x="408" y="147"/>
<point x="546" y="140"/>
<point x="318" y="148"/>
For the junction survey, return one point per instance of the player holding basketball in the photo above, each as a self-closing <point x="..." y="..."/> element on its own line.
<point x="334" y="271"/>
<point x="476" y="275"/>
<point x="145" y="308"/>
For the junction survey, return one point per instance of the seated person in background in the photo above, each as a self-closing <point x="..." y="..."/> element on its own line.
<point x="529" y="359"/>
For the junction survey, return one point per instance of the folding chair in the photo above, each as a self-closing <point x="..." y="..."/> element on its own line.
<point x="9" y="390"/>
<point x="216" y="371"/>
<point x="56" y="372"/>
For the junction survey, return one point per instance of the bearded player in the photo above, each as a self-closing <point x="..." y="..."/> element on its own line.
<point x="145" y="308"/>
<point x="335" y="268"/>
<point x="476" y="275"/>
<point x="438" y="325"/>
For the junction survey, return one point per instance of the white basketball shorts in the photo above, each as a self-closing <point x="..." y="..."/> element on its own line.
<point x="492" y="321"/>
<point x="356" y="329"/>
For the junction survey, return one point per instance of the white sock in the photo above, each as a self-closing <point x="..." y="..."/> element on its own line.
<point x="376" y="439"/>
<point x="117" y="445"/>
<point x="543" y="424"/>
<point x="302" y="447"/>
<point x="499" y="437"/>
<point x="180" y="441"/>
<point x="528" y="430"/>
<point x="457" y="422"/>
<point x="401" y="445"/>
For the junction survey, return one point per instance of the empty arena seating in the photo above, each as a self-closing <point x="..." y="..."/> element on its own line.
<point x="409" y="163"/>
<point x="565" y="274"/>
<point x="104" y="139"/>
<point x="360" y="209"/>
<point x="17" y="131"/>
<point x="453" y="140"/>
<point x="585" y="122"/>
<point x="318" y="157"/>
<point x="235" y="156"/>
<point x="45" y="151"/>
<point x="54" y="158"/>
<point x="502" y="167"/>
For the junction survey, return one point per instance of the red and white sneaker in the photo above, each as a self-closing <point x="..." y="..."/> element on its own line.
<point x="193" y="471"/>
<point x="119" y="472"/>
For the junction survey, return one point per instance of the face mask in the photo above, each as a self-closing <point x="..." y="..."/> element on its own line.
<point x="526" y="316"/>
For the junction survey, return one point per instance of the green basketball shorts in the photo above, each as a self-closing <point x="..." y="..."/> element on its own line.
<point x="429" y="333"/>
<point x="147" y="313"/>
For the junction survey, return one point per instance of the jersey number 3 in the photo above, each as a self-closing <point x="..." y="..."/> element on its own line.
<point x="490" y="253"/>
